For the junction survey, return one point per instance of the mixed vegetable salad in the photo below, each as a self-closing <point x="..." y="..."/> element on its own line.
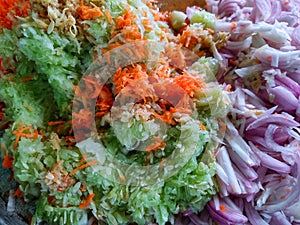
<point x="114" y="112"/>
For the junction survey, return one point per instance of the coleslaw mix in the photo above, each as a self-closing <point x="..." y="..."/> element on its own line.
<point x="113" y="112"/>
<point x="164" y="114"/>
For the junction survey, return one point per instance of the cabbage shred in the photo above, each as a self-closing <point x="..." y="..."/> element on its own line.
<point x="44" y="56"/>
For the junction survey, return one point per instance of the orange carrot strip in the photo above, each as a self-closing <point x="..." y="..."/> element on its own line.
<point x="52" y="123"/>
<point x="93" y="162"/>
<point x="107" y="14"/>
<point x="18" y="134"/>
<point x="27" y="78"/>
<point x="83" y="159"/>
<point x="29" y="107"/>
<point x="7" y="162"/>
<point x="87" y="201"/>
<point x="202" y="127"/>
<point x="18" y="193"/>
<point x="233" y="26"/>
<point x="223" y="208"/>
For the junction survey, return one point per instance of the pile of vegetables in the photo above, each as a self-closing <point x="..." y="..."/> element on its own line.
<point x="113" y="112"/>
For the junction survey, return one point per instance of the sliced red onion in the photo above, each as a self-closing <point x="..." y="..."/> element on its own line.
<point x="238" y="144"/>
<point x="278" y="218"/>
<point x="262" y="199"/>
<point x="253" y="215"/>
<point x="288" y="17"/>
<point x="228" y="7"/>
<point x="197" y="220"/>
<point x="244" y="168"/>
<point x="254" y="100"/>
<point x="252" y="134"/>
<point x="275" y="11"/>
<point x="290" y="198"/>
<point x="270" y="162"/>
<point x="224" y="160"/>
<point x="282" y="135"/>
<point x="212" y="6"/>
<point x="295" y="133"/>
<point x="222" y="187"/>
<point x="286" y="60"/>
<point x="284" y="98"/>
<point x="236" y="204"/>
<point x="238" y="46"/>
<point x="227" y="215"/>
<point x="278" y="119"/>
<point x="288" y="83"/>
<point x="222" y="174"/>
<point x="261" y="10"/>
<point x="296" y="37"/>
<point x="249" y="188"/>
<point x="293" y="211"/>
<point x="277" y="36"/>
<point x="295" y="75"/>
<point x="272" y="144"/>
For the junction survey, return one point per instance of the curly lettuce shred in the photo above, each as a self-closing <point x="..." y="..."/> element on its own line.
<point x="44" y="56"/>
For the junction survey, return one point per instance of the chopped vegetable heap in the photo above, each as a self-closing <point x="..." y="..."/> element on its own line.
<point x="137" y="146"/>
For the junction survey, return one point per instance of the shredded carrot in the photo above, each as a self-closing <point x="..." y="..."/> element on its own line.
<point x="166" y="117"/>
<point x="25" y="79"/>
<point x="88" y="12"/>
<point x="282" y="197"/>
<point x="232" y="62"/>
<point x="202" y="127"/>
<point x="87" y="201"/>
<point x="269" y="57"/>
<point x="91" y="163"/>
<point x="158" y="144"/>
<point x="131" y="33"/>
<point x="53" y="123"/>
<point x="228" y="87"/>
<point x="113" y="45"/>
<point x="223" y="208"/>
<point x="104" y="102"/>
<point x="286" y="3"/>
<point x="161" y="16"/>
<point x="109" y="17"/>
<point x="10" y="9"/>
<point x="124" y="76"/>
<point x="147" y="24"/>
<point x="21" y="133"/>
<point x="82" y="160"/>
<point x="83" y="188"/>
<point x="18" y="193"/>
<point x="233" y="26"/>
<point x="189" y="84"/>
<point x="126" y="19"/>
<point x="29" y="107"/>
<point x="123" y="178"/>
<point x="287" y="190"/>
<point x="256" y="60"/>
<point x="7" y="162"/>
